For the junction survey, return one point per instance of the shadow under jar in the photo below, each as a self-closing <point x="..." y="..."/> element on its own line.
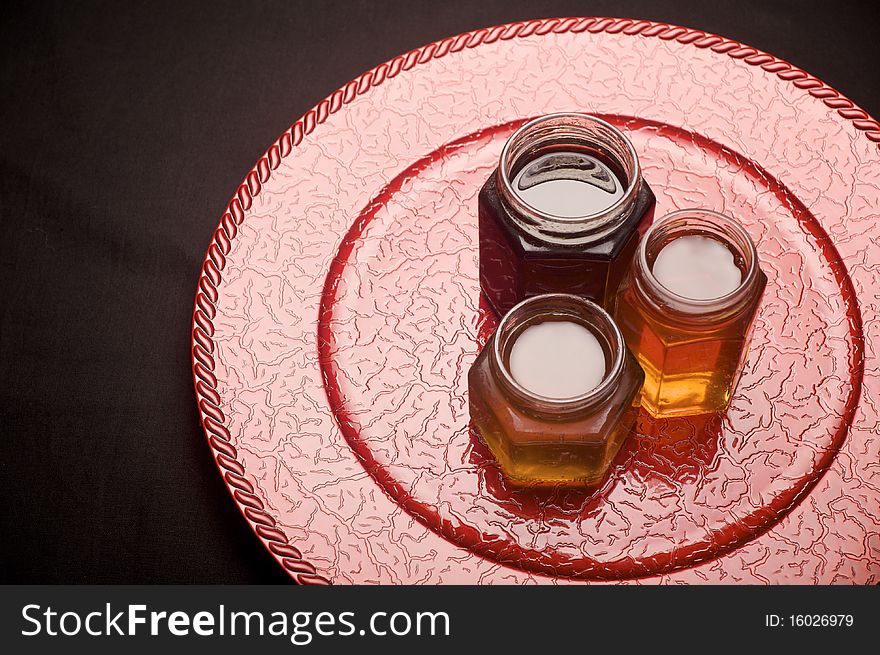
<point x="686" y="309"/>
<point x="555" y="392"/>
<point x="562" y="213"/>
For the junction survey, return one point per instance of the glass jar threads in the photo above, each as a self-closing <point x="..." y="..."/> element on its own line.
<point x="555" y="391"/>
<point x="562" y="212"/>
<point x="686" y="310"/>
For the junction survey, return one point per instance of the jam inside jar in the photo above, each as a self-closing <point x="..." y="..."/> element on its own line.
<point x="555" y="392"/>
<point x="562" y="213"/>
<point x="688" y="316"/>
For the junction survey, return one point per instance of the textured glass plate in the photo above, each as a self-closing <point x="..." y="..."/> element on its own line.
<point x="338" y="312"/>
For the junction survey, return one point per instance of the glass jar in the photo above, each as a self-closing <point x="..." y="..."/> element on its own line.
<point x="563" y="212"/>
<point x="692" y="350"/>
<point x="538" y="439"/>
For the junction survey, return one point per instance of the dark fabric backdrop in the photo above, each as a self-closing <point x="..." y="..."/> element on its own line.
<point x="124" y="129"/>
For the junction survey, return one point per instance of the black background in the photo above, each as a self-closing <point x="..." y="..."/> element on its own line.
<point x="124" y="129"/>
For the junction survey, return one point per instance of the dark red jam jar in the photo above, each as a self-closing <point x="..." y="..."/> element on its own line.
<point x="562" y="213"/>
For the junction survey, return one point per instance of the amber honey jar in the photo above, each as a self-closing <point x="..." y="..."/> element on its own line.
<point x="686" y="310"/>
<point x="562" y="213"/>
<point x="555" y="392"/>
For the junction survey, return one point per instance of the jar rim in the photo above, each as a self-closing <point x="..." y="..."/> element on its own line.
<point x="548" y="404"/>
<point x="745" y="247"/>
<point x="591" y="225"/>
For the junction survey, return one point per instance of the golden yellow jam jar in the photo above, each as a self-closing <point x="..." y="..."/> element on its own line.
<point x="562" y="212"/>
<point x="555" y="392"/>
<point x="686" y="310"/>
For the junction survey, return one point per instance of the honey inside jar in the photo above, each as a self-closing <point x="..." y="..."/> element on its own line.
<point x="569" y="183"/>
<point x="554" y="393"/>
<point x="562" y="212"/>
<point x="686" y="310"/>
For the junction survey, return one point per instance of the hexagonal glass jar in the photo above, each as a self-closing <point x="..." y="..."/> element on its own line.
<point x="547" y="441"/>
<point x="525" y="250"/>
<point x="692" y="351"/>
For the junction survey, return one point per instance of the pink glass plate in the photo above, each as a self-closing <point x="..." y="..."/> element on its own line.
<point x="338" y="312"/>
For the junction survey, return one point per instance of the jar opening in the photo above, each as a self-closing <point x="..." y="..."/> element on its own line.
<point x="581" y="175"/>
<point x="697" y="223"/>
<point x="559" y="307"/>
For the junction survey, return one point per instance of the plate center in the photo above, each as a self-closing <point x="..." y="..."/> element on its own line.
<point x="401" y="321"/>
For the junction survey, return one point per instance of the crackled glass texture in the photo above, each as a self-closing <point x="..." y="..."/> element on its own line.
<point x="541" y="441"/>
<point x="531" y="245"/>
<point x="340" y="311"/>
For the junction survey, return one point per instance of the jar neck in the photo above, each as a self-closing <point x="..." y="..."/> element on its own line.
<point x="575" y="132"/>
<point x="705" y="223"/>
<point x="557" y="307"/>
